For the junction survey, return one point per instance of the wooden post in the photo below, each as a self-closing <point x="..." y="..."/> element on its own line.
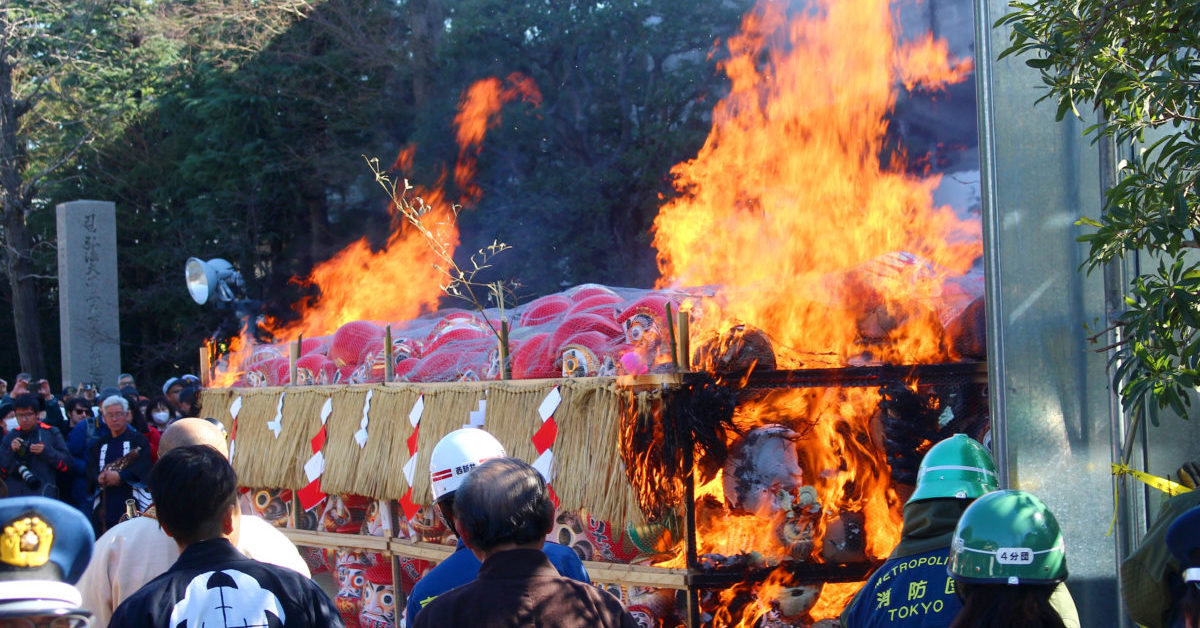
<point x="206" y="366"/>
<point x="293" y="356"/>
<point x="393" y="511"/>
<point x="502" y="349"/>
<point x="389" y="365"/>
<point x="689" y="522"/>
<point x="671" y="337"/>
<point x="684" y="344"/>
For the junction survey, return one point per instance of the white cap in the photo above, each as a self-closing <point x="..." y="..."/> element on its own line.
<point x="456" y="454"/>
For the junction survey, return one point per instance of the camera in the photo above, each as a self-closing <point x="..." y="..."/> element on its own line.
<point x="27" y="475"/>
<point x="23" y="470"/>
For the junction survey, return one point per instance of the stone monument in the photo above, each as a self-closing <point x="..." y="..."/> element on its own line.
<point x="87" y="293"/>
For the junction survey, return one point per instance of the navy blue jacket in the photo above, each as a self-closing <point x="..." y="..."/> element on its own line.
<point x="462" y="567"/>
<point x="910" y="592"/>
<point x="213" y="584"/>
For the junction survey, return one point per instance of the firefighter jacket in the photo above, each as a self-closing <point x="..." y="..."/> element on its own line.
<point x="913" y="589"/>
<point x="1150" y="577"/>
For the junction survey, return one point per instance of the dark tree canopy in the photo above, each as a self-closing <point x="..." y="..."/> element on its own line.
<point x="252" y="147"/>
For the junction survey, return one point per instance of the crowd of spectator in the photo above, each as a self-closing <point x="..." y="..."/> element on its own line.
<point x="89" y="446"/>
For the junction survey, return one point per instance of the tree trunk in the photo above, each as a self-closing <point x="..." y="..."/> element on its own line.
<point x="17" y="244"/>
<point x="427" y="20"/>
<point x="19" y="267"/>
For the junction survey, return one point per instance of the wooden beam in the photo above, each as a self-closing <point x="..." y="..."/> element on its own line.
<point x="637" y="575"/>
<point x="333" y="540"/>
<point x="615" y="573"/>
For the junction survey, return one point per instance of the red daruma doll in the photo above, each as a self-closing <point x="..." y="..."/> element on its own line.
<point x="378" y="596"/>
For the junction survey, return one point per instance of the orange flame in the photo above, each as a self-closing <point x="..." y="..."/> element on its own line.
<point x="399" y="281"/>
<point x="925" y="63"/>
<point x="838" y="257"/>
<point x="479" y="111"/>
<point x="788" y="193"/>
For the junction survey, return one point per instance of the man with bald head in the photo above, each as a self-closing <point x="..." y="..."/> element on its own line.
<point x="186" y="432"/>
<point x="135" y="552"/>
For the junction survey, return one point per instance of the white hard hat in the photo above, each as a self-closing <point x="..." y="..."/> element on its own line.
<point x="456" y="454"/>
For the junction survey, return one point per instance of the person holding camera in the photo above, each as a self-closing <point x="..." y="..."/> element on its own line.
<point x="32" y="454"/>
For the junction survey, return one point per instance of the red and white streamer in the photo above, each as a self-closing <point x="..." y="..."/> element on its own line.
<point x="410" y="468"/>
<point x="311" y="494"/>
<point x="543" y="439"/>
<point x="234" y="409"/>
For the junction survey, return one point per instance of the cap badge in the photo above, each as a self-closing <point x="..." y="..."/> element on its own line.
<point x="26" y="542"/>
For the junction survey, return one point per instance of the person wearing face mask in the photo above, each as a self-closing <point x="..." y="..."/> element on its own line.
<point x="32" y="455"/>
<point x="8" y="417"/>
<point x="161" y="412"/>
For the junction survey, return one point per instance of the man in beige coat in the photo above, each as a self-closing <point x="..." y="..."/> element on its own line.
<point x="136" y="551"/>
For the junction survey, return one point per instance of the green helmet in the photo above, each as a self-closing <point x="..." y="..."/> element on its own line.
<point x="957" y="468"/>
<point x="1008" y="537"/>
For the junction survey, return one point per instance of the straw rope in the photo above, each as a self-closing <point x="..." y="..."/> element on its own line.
<point x="588" y="471"/>
<point x="447" y="408"/>
<point x="389" y="470"/>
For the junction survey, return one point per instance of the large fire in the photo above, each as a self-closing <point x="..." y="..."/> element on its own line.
<point x="837" y="257"/>
<point x="401" y="280"/>
<point x="808" y="237"/>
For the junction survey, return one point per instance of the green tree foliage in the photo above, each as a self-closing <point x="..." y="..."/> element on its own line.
<point x="254" y="155"/>
<point x="251" y="146"/>
<point x="70" y="72"/>
<point x="1135" y="62"/>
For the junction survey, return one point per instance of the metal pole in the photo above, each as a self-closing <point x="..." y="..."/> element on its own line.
<point x="989" y="193"/>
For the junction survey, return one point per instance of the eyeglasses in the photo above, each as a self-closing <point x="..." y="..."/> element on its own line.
<point x="114" y="414"/>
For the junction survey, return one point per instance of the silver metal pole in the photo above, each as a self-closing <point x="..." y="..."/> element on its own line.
<point x="992" y="270"/>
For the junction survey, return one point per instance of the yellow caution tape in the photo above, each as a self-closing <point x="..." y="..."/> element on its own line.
<point x="1169" y="487"/>
<point x="1163" y="484"/>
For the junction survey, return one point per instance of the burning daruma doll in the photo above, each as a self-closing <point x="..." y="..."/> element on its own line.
<point x="645" y="326"/>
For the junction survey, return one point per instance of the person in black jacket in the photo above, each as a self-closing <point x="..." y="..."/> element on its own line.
<point x="32" y="456"/>
<point x="212" y="583"/>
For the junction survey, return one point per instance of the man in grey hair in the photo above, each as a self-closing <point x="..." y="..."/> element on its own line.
<point x="118" y="465"/>
<point x="503" y="512"/>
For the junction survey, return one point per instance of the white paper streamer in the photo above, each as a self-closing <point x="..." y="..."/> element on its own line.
<point x="360" y="436"/>
<point x="276" y="425"/>
<point x="550" y="404"/>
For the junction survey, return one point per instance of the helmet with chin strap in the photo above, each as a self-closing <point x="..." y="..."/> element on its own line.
<point x="1008" y="537"/>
